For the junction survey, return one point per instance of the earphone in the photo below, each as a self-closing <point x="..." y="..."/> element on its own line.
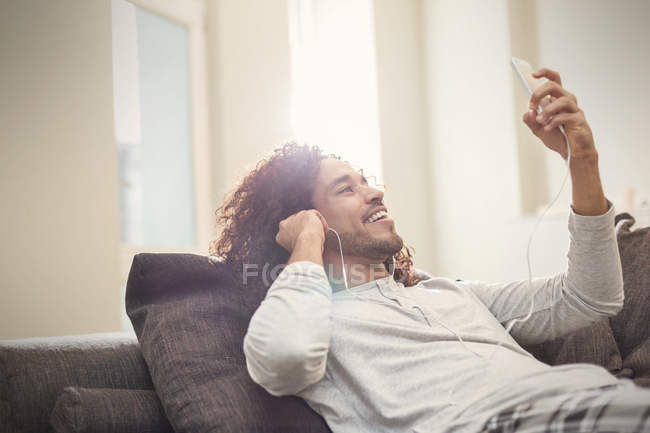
<point x="513" y="321"/>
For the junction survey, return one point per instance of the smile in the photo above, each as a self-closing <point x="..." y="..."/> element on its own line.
<point x="377" y="216"/>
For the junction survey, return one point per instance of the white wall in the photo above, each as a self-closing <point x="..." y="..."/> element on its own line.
<point x="249" y="75"/>
<point x="601" y="49"/>
<point x="58" y="170"/>
<point x="60" y="270"/>
<point x="472" y="149"/>
<point x="487" y="174"/>
<point x="403" y="124"/>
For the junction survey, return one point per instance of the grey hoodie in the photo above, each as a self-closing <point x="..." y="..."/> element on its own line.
<point x="382" y="357"/>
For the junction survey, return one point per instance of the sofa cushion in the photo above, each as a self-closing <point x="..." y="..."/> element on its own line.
<point x="106" y="410"/>
<point x="34" y="372"/>
<point x="594" y="344"/>
<point x="637" y="362"/>
<point x="631" y="326"/>
<point x="190" y="316"/>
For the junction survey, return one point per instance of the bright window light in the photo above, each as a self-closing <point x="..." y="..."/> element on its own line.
<point x="334" y="80"/>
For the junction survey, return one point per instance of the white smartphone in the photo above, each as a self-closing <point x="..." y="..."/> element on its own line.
<point x="530" y="83"/>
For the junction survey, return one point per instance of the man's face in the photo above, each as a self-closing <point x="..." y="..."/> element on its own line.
<point x="344" y="198"/>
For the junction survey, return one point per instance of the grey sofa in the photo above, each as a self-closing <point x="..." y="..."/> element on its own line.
<point x="34" y="373"/>
<point x="102" y="382"/>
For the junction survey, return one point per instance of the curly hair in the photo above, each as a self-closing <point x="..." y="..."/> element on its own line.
<point x="279" y="186"/>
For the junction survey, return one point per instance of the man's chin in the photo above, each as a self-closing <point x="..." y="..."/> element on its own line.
<point x="375" y="246"/>
<point x="390" y="245"/>
<point x="399" y="244"/>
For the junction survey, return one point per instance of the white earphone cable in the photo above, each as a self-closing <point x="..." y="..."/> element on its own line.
<point x="530" y="238"/>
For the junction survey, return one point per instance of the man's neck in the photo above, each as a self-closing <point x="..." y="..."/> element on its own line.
<point x="358" y="270"/>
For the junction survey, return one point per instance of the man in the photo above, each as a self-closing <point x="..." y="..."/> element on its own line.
<point x="376" y="345"/>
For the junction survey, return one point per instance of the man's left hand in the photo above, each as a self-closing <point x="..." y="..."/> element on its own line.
<point x="563" y="107"/>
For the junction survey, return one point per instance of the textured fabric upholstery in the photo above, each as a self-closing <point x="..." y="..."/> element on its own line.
<point x="631" y="326"/>
<point x="191" y="317"/>
<point x="638" y="362"/>
<point x="105" y="410"/>
<point x="594" y="345"/>
<point x="33" y="372"/>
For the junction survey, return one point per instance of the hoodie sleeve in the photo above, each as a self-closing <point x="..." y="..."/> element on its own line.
<point x="590" y="289"/>
<point x="288" y="337"/>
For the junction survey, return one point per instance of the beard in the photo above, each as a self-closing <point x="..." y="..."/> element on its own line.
<point x="363" y="244"/>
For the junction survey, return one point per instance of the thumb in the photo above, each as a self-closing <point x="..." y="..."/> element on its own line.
<point x="529" y="120"/>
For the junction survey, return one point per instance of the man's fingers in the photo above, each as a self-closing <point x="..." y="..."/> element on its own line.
<point x="560" y="119"/>
<point x="550" y="74"/>
<point x="562" y="104"/>
<point x="324" y="221"/>
<point x="529" y="120"/>
<point x="548" y="88"/>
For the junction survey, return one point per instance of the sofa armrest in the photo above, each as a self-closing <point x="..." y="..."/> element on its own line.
<point x="34" y="371"/>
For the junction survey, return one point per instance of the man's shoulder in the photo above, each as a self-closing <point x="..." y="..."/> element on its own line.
<point x="423" y="275"/>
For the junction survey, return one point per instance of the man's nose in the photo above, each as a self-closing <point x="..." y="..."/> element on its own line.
<point x="374" y="194"/>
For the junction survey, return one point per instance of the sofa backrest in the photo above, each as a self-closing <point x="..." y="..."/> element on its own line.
<point x="35" y="371"/>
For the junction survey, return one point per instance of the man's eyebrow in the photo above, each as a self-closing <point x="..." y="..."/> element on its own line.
<point x="345" y="178"/>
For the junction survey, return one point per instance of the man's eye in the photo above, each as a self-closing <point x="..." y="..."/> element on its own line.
<point x="344" y="189"/>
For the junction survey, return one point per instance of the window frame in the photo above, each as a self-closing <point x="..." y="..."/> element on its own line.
<point x="191" y="14"/>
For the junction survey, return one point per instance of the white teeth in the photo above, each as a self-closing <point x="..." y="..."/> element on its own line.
<point x="374" y="217"/>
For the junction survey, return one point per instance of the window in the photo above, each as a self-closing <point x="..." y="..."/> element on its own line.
<point x="334" y="79"/>
<point x="160" y="129"/>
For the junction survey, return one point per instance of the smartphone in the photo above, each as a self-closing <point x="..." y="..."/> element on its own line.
<point x="530" y="83"/>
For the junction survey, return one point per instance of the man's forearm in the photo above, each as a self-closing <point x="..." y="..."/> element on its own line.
<point x="588" y="197"/>
<point x="308" y="247"/>
<point x="288" y="337"/>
